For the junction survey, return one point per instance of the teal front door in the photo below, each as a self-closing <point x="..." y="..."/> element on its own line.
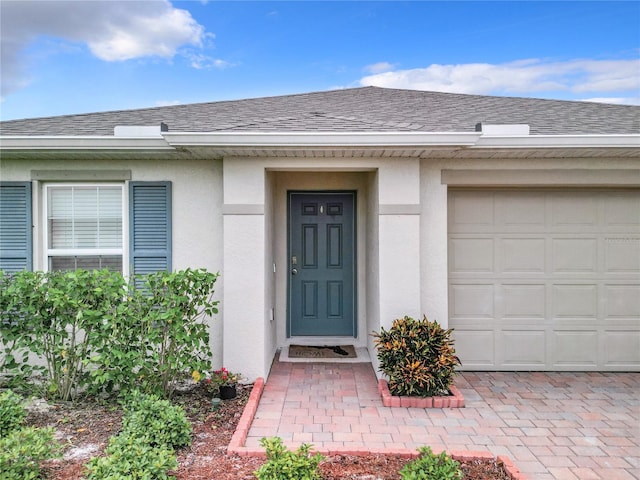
<point x="322" y="261"/>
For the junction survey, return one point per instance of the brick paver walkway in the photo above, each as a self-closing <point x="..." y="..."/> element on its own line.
<point x="552" y="425"/>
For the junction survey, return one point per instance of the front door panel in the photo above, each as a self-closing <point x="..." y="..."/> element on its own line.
<point x="321" y="264"/>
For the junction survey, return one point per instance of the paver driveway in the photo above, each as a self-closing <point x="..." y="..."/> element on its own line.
<point x="552" y="425"/>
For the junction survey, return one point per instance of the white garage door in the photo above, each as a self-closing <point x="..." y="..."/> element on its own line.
<point x="545" y="279"/>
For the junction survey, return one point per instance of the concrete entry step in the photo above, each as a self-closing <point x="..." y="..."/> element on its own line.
<point x="361" y="356"/>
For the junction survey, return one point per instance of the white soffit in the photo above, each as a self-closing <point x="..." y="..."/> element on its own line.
<point x="322" y="139"/>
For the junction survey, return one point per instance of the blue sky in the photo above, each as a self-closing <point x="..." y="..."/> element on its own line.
<point x="61" y="57"/>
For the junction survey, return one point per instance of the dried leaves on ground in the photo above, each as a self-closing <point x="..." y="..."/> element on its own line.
<point x="84" y="429"/>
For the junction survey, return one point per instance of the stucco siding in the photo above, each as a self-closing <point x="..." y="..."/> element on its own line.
<point x="196" y="211"/>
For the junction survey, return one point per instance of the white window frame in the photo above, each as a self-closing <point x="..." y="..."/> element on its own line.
<point x="49" y="252"/>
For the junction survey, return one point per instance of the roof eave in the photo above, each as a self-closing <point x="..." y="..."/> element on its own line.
<point x="51" y="142"/>
<point x="170" y="141"/>
<point x="559" y="141"/>
<point x="320" y="139"/>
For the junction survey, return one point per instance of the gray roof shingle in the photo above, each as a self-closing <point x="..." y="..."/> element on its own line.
<point x="363" y="109"/>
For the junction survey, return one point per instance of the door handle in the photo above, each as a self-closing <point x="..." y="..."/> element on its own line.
<point x="294" y="271"/>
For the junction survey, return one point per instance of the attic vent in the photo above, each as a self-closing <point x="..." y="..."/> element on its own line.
<point x="503" y="130"/>
<point x="139" y="130"/>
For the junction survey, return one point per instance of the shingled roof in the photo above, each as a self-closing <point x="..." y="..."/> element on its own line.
<point x="367" y="109"/>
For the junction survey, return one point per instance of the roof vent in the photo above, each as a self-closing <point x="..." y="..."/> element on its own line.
<point x="137" y="131"/>
<point x="516" y="129"/>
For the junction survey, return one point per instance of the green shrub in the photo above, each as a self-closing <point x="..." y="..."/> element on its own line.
<point x="21" y="452"/>
<point x="60" y="316"/>
<point x="130" y="459"/>
<point x="13" y="354"/>
<point x="155" y="422"/>
<point x="283" y="464"/>
<point x="12" y="413"/>
<point x="417" y="356"/>
<point x="94" y="335"/>
<point x="429" y="466"/>
<point x="160" y="335"/>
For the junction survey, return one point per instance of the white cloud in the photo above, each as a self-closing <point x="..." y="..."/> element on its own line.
<point x="379" y="67"/>
<point x="616" y="100"/>
<point x="200" y="61"/>
<point x="114" y="30"/>
<point x="519" y="77"/>
<point x="167" y="103"/>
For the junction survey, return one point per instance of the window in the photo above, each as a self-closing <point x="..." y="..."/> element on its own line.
<point x="119" y="226"/>
<point x="84" y="227"/>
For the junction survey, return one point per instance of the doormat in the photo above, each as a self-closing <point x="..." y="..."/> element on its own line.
<point x="335" y="351"/>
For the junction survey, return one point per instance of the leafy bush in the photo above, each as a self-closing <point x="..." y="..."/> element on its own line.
<point x="94" y="334"/>
<point x="283" y="464"/>
<point x="12" y="413"/>
<point x="130" y="459"/>
<point x="417" y="356"/>
<point x="59" y="316"/>
<point x="429" y="466"/>
<point x="161" y="335"/>
<point x="21" y="452"/>
<point x="155" y="422"/>
<point x="12" y="353"/>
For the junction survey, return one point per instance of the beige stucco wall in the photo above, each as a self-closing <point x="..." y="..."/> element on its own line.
<point x="196" y="211"/>
<point x="230" y="216"/>
<point x="255" y="223"/>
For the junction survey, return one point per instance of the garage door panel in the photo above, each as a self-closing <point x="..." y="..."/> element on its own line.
<point x="472" y="301"/>
<point x="622" y="301"/>
<point x="470" y="211"/>
<point x="622" y="255"/>
<point x="523" y="255"/>
<point x="524" y="302"/>
<point x="622" y="209"/>
<point x="575" y="301"/>
<point x="522" y="348"/>
<point x="575" y="255"/>
<point x="471" y="255"/>
<point x="545" y="279"/>
<point x="575" y="210"/>
<point x="575" y="349"/>
<point x="476" y="348"/>
<point x="515" y="209"/>
<point x="622" y="349"/>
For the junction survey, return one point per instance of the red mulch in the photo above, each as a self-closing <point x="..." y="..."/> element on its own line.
<point x="84" y="430"/>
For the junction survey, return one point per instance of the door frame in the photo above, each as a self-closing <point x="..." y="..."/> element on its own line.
<point x="354" y="194"/>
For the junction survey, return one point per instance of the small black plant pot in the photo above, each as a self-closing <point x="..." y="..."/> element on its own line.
<point x="228" y="392"/>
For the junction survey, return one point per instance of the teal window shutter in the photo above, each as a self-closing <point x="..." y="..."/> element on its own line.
<point x="150" y="227"/>
<point x="16" y="252"/>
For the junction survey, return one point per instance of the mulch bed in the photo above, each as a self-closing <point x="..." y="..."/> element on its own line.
<point x="84" y="430"/>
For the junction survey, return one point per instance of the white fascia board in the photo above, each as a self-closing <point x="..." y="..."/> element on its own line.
<point x="82" y="143"/>
<point x="171" y="140"/>
<point x="559" y="141"/>
<point x="320" y="139"/>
